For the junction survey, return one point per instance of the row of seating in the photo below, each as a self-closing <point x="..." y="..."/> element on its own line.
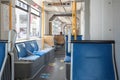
<point x="68" y="54"/>
<point x="3" y="56"/>
<point x="67" y="58"/>
<point x="31" y="59"/>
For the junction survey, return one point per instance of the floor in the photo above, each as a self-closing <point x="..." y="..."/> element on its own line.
<point x="55" y="70"/>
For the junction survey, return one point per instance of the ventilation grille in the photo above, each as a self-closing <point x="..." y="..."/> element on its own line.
<point x="65" y="4"/>
<point x="5" y="1"/>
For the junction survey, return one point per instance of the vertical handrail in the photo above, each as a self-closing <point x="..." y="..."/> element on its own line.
<point x="9" y="41"/>
<point x="69" y="40"/>
<point x="43" y="24"/>
<point x="74" y="20"/>
<point x="10" y="16"/>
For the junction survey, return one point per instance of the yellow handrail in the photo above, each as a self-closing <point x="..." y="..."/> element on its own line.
<point x="43" y="25"/>
<point x="10" y="16"/>
<point x="74" y="20"/>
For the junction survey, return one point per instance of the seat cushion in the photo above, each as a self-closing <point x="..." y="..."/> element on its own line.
<point x="67" y="59"/>
<point x="29" y="58"/>
<point x="39" y="53"/>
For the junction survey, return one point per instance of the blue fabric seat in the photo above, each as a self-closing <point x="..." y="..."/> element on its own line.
<point x="93" y="60"/>
<point x="29" y="47"/>
<point x="42" y="52"/>
<point x="35" y="45"/>
<point x="68" y="54"/>
<point x="30" y="58"/>
<point x="22" y="52"/>
<point x="67" y="59"/>
<point x="3" y="56"/>
<point x="39" y="53"/>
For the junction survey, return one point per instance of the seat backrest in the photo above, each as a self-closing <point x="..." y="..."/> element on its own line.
<point x="29" y="47"/>
<point x="3" y="57"/>
<point x="79" y="37"/>
<point x="21" y="50"/>
<point x="93" y="61"/>
<point x="35" y="45"/>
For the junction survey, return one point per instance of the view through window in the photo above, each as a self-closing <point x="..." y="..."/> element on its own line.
<point x="21" y="23"/>
<point x="27" y="20"/>
<point x="56" y="27"/>
<point x="34" y="26"/>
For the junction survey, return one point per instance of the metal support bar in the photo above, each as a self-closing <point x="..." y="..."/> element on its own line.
<point x="74" y="20"/>
<point x="11" y="41"/>
<point x="12" y="65"/>
<point x="10" y="16"/>
<point x="43" y="25"/>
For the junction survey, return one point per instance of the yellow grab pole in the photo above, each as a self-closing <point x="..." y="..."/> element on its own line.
<point x="43" y="25"/>
<point x="74" y="20"/>
<point x="10" y="16"/>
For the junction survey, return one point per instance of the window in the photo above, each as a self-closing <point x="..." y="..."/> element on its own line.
<point x="21" y="5"/>
<point x="21" y="23"/>
<point x="56" y="27"/>
<point x="34" y="26"/>
<point x="27" y="21"/>
<point x="35" y="12"/>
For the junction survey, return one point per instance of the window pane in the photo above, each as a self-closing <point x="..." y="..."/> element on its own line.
<point x="34" y="26"/>
<point x="56" y="27"/>
<point x="35" y="12"/>
<point x="21" y="23"/>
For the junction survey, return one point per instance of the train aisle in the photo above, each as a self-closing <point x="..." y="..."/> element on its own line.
<point x="55" y="70"/>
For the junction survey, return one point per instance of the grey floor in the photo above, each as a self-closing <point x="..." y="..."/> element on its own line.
<point x="55" y="70"/>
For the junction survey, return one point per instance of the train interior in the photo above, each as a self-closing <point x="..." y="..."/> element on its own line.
<point x="59" y="39"/>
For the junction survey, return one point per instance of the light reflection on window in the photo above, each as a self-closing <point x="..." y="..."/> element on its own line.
<point x="21" y="23"/>
<point x="34" y="26"/>
<point x="56" y="27"/>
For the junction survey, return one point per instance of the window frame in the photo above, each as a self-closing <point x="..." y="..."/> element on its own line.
<point x="31" y="13"/>
<point x="28" y="10"/>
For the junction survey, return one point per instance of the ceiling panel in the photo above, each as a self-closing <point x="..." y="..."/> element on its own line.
<point x="60" y="9"/>
<point x="66" y="20"/>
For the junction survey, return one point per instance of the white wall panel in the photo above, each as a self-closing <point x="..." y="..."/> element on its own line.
<point x="96" y="19"/>
<point x="116" y="19"/>
<point x="107" y="28"/>
<point x="87" y="19"/>
<point x="116" y="26"/>
<point x="105" y="23"/>
<point x="4" y="21"/>
<point x="101" y="24"/>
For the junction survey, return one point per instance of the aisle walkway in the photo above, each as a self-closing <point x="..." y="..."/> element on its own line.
<point x="55" y="70"/>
